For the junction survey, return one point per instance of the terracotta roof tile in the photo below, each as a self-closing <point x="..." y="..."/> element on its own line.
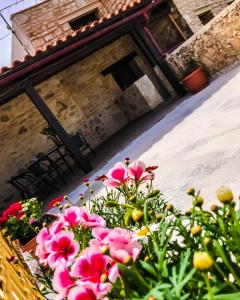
<point x="119" y="7"/>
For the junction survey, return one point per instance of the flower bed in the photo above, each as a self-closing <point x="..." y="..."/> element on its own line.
<point x="131" y="244"/>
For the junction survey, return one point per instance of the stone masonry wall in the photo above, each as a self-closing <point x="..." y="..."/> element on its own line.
<point x="48" y="21"/>
<point x="80" y="97"/>
<point x="216" y="46"/>
<point x="189" y="8"/>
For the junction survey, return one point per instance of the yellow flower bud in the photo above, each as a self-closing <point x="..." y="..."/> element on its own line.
<point x="103" y="278"/>
<point x="127" y="260"/>
<point x="207" y="241"/>
<point x="160" y="216"/>
<point x="42" y="288"/>
<point x="198" y="201"/>
<point x="132" y="198"/>
<point x="214" y="208"/>
<point x="104" y="250"/>
<point x="67" y="205"/>
<point x="191" y="191"/>
<point x="196" y="230"/>
<point x="225" y="195"/>
<point x="169" y="207"/>
<point x="202" y="261"/>
<point x="137" y="215"/>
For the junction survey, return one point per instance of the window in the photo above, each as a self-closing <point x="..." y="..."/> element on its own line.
<point x="125" y="71"/>
<point x="83" y="20"/>
<point x="206" y="17"/>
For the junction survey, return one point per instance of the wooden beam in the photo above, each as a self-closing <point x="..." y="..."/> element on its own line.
<point x="156" y="54"/>
<point x="65" y="62"/>
<point x="145" y="51"/>
<point x="54" y="123"/>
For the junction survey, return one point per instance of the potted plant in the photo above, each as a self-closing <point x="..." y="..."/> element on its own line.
<point x="23" y="220"/>
<point x="194" y="76"/>
<point x="50" y="133"/>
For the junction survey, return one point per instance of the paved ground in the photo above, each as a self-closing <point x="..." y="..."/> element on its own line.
<point x="196" y="144"/>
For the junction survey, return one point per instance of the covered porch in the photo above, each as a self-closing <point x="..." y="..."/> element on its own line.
<point x="75" y="85"/>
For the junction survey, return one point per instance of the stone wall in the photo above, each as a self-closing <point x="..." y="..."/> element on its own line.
<point x="81" y="98"/>
<point x="190" y="9"/>
<point x="216" y="46"/>
<point x="47" y="21"/>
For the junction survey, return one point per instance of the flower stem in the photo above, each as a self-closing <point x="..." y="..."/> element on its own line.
<point x="210" y="293"/>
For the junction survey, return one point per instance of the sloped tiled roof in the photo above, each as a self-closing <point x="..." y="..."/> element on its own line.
<point x="120" y="6"/>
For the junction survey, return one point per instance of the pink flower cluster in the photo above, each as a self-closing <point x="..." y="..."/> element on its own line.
<point x="120" y="174"/>
<point x="88" y="275"/>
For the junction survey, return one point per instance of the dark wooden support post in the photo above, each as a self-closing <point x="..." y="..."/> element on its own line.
<point x="162" y="89"/>
<point x="53" y="122"/>
<point x="144" y="37"/>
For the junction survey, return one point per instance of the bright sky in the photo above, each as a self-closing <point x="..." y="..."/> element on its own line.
<point x="5" y="36"/>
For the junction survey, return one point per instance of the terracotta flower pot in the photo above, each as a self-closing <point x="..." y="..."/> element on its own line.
<point x="196" y="81"/>
<point x="32" y="244"/>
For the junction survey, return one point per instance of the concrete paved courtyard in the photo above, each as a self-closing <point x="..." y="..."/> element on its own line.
<point x="195" y="145"/>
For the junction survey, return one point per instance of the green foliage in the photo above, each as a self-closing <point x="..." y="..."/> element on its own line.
<point x="165" y="268"/>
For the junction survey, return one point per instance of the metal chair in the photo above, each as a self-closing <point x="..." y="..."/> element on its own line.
<point x="28" y="183"/>
<point x="44" y="166"/>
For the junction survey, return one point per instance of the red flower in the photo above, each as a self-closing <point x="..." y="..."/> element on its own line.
<point x="3" y="220"/>
<point x="14" y="210"/>
<point x="101" y="178"/>
<point x="151" y="168"/>
<point x="53" y="202"/>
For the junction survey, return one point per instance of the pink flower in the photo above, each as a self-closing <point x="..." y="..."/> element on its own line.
<point x="81" y="292"/>
<point x="137" y="171"/>
<point x="61" y="248"/>
<point x="92" y="265"/>
<point x="91" y="220"/>
<point x="41" y="251"/>
<point x="71" y="216"/>
<point x="116" y="176"/>
<point x="121" y="244"/>
<point x="62" y="281"/>
<point x="56" y="227"/>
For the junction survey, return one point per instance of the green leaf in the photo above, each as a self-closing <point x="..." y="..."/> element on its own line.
<point x="133" y="279"/>
<point x="149" y="268"/>
<point x="235" y="296"/>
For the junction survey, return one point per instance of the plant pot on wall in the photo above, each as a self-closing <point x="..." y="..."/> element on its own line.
<point x="31" y="245"/>
<point x="196" y="80"/>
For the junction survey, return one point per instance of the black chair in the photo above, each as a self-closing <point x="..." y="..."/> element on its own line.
<point x="44" y="166"/>
<point x="58" y="156"/>
<point x="29" y="183"/>
<point x="81" y="142"/>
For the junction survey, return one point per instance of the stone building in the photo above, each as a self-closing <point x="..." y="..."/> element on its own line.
<point x="50" y="20"/>
<point x="91" y="67"/>
<point x="198" y="13"/>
